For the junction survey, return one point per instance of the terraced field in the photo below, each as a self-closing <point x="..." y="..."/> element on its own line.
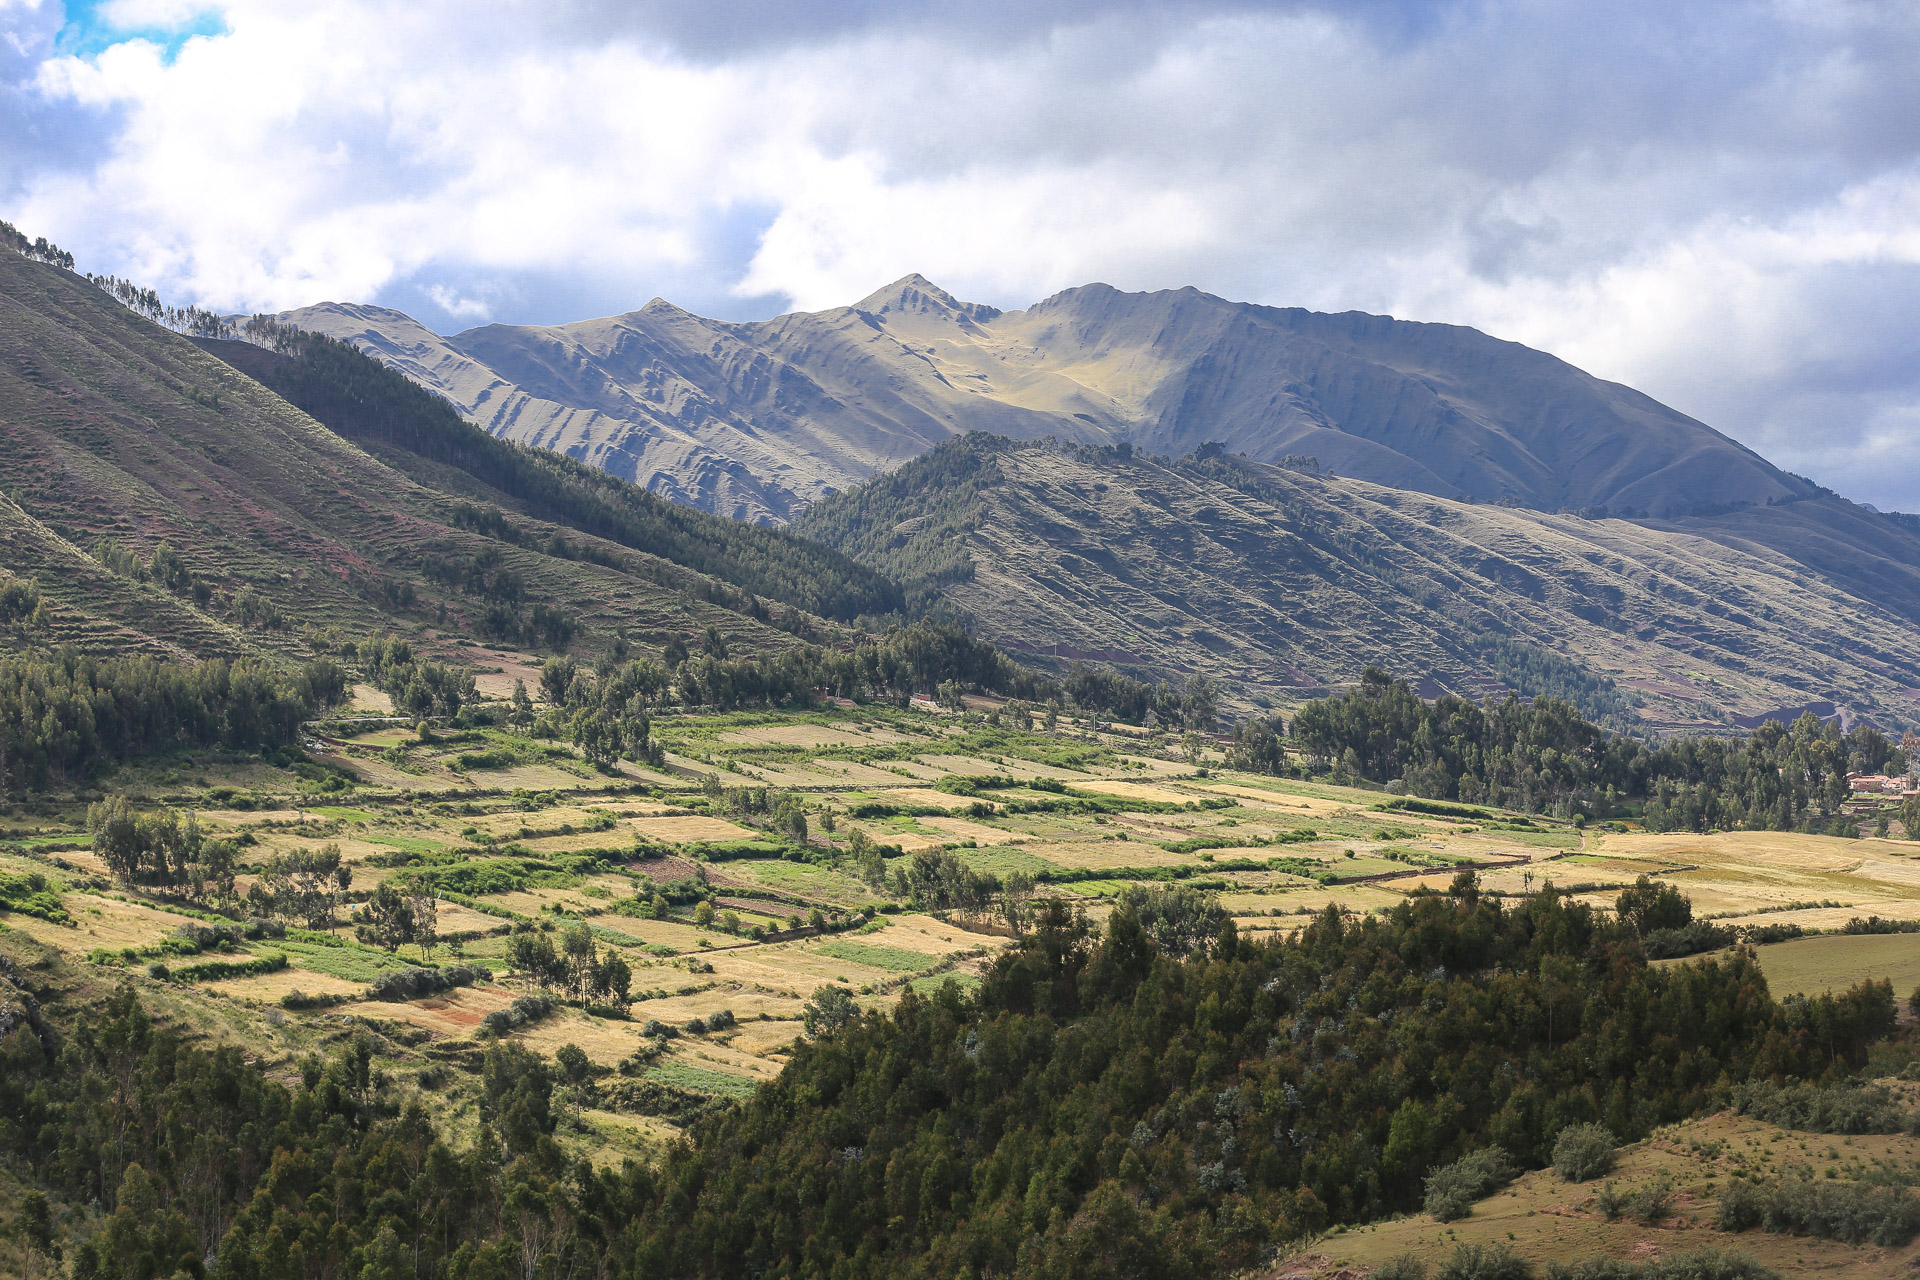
<point x="718" y="908"/>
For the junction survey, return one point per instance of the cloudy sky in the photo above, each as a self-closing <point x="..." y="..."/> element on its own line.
<point x="1716" y="202"/>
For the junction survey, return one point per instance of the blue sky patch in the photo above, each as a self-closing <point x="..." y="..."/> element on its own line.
<point x="90" y="30"/>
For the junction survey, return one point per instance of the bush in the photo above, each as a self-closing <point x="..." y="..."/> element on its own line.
<point x="1583" y="1152"/>
<point x="1452" y="1188"/>
<point x="1691" y="940"/>
<point x="1695" y="1264"/>
<point x="525" y="1010"/>
<point x="1405" y="1267"/>
<point x="214" y="970"/>
<point x="1815" y="1110"/>
<point x="721" y="1021"/>
<point x="412" y="984"/>
<point x="1484" y="1262"/>
<point x="1851" y="1212"/>
<point x="32" y="894"/>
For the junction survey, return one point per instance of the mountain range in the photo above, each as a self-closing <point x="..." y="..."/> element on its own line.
<point x="755" y="420"/>
<point x="301" y="485"/>
<point x="1176" y="483"/>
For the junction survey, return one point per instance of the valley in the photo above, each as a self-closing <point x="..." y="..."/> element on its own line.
<point x="732" y="925"/>
<point x="424" y="854"/>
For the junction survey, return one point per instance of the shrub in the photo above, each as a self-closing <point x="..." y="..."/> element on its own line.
<point x="1690" y="940"/>
<point x="525" y="1010"/>
<point x="1815" y="1110"/>
<point x="1484" y="1262"/>
<point x="32" y="894"/>
<point x="1651" y="1202"/>
<point x="1405" y="1267"/>
<point x="1696" y="1264"/>
<point x="721" y="1021"/>
<point x="1851" y="1212"/>
<point x="1583" y="1152"/>
<point x="1452" y="1188"/>
<point x="412" y="984"/>
<point x="214" y="970"/>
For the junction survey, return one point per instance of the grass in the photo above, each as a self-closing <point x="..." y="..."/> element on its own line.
<point x="927" y="984"/>
<point x="1808" y="966"/>
<point x="1544" y="1218"/>
<point x="354" y="963"/>
<point x="701" y="1080"/>
<point x="898" y="959"/>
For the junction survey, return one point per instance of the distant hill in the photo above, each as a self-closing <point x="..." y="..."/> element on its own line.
<point x="1283" y="583"/>
<point x="755" y="420"/>
<point x="119" y="437"/>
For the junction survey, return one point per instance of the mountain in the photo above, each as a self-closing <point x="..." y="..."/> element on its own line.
<point x="119" y="437"/>
<point x="756" y="420"/>
<point x="1281" y="583"/>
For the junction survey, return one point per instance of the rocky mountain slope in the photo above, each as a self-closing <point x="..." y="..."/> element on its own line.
<point x="118" y="436"/>
<point x="1281" y="583"/>
<point x="755" y="420"/>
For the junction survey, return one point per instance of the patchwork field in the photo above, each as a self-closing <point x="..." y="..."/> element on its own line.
<point x="731" y="917"/>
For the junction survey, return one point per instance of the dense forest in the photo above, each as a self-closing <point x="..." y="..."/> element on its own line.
<point x="1542" y="756"/>
<point x="68" y="714"/>
<point x="367" y="402"/>
<point x="1102" y="1107"/>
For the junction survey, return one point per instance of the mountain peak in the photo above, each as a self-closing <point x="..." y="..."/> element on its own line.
<point x="914" y="293"/>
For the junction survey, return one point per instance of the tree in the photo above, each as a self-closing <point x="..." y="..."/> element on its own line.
<point x="386" y="920"/>
<point x="522" y="704"/>
<point x="1200" y="704"/>
<point x="613" y="978"/>
<point x="577" y="945"/>
<point x="306" y="884"/>
<point x="426" y="919"/>
<point x="533" y="954"/>
<point x="556" y="679"/>
<point x="830" y="1009"/>
<point x="1179" y="918"/>
<point x="1647" y="906"/>
<point x="116" y="837"/>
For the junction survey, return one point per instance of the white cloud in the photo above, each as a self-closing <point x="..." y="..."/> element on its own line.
<point x="1719" y="203"/>
<point x="457" y="306"/>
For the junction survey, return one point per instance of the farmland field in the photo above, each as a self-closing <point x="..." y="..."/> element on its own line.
<point x="730" y="921"/>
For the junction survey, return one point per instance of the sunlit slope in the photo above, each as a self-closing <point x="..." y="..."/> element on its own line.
<point x="1284" y="583"/>
<point x="115" y="430"/>
<point x="755" y="419"/>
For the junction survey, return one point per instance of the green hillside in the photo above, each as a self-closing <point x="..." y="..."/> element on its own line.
<point x="1281" y="582"/>
<point x="122" y="438"/>
<point x="420" y="434"/>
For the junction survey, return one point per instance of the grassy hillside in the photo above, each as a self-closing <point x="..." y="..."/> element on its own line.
<point x="1282" y="582"/>
<point x="118" y="437"/>
<point x="386" y="413"/>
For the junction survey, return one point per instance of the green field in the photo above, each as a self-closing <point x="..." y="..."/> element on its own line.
<point x="1808" y="966"/>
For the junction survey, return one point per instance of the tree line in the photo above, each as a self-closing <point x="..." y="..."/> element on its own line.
<point x="1542" y="756"/>
<point x="66" y="715"/>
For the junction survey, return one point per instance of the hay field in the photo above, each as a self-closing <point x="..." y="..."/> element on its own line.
<point x="685" y="830"/>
